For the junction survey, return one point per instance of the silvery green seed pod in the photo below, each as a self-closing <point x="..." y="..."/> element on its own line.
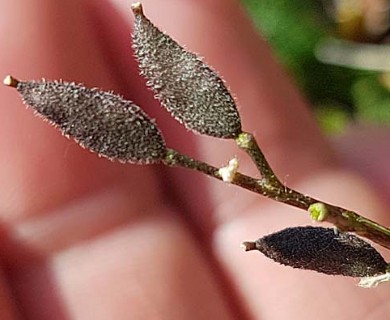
<point x="100" y="121"/>
<point x="193" y="93"/>
<point x="321" y="249"/>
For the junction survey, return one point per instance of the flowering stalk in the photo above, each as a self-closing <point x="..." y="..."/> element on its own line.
<point x="197" y="97"/>
<point x="343" y="219"/>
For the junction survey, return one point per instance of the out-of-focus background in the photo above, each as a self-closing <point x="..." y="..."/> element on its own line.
<point x="338" y="52"/>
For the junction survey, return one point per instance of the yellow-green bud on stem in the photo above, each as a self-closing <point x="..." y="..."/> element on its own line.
<point x="318" y="211"/>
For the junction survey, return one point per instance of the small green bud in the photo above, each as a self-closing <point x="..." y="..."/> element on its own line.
<point x="318" y="211"/>
<point x="322" y="250"/>
<point x="99" y="121"/>
<point x="193" y="93"/>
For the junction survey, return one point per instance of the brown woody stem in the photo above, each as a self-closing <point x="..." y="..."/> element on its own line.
<point x="343" y="219"/>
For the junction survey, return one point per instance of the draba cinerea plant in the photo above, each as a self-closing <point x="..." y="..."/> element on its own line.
<point x="195" y="95"/>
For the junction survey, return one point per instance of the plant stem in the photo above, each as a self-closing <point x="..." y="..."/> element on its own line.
<point x="343" y="219"/>
<point x="248" y="143"/>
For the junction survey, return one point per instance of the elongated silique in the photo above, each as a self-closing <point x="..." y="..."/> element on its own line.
<point x="189" y="89"/>
<point x="100" y="121"/>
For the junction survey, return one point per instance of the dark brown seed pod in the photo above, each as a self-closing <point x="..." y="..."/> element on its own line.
<point x="193" y="93"/>
<point x="99" y="121"/>
<point x="321" y="249"/>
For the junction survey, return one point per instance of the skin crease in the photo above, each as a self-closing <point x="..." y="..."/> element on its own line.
<point x="84" y="238"/>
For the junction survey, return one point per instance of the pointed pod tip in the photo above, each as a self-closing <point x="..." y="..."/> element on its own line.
<point x="10" y="81"/>
<point x="248" y="245"/>
<point x="137" y="8"/>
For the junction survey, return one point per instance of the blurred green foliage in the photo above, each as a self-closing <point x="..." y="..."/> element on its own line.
<point x="372" y="100"/>
<point x="338" y="94"/>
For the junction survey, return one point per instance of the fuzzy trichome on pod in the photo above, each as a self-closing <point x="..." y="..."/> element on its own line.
<point x="321" y="249"/>
<point x="100" y="121"/>
<point x="189" y="89"/>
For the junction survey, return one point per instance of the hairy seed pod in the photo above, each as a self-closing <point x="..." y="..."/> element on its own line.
<point x="100" y="121"/>
<point x="321" y="249"/>
<point x="193" y="93"/>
